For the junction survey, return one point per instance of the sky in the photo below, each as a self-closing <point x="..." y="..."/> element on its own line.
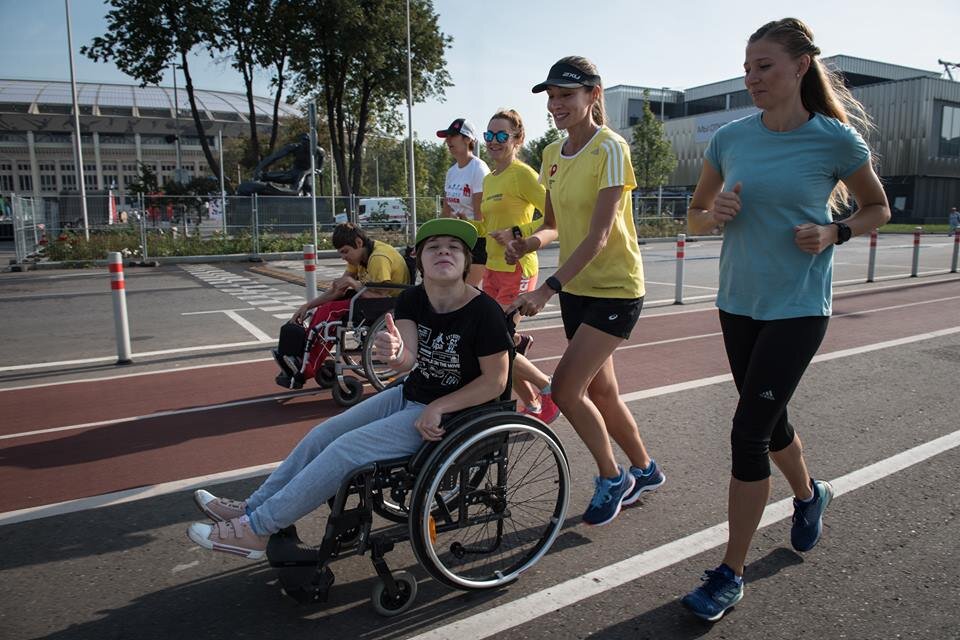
<point x="501" y="48"/>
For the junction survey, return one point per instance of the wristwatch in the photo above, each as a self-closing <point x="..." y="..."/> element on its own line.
<point x="554" y="284"/>
<point x="843" y="232"/>
<point x="517" y="233"/>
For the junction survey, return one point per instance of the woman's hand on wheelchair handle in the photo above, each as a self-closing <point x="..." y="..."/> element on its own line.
<point x="300" y="315"/>
<point x="532" y="303"/>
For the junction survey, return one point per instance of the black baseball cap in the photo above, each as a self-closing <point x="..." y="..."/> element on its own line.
<point x="459" y="127"/>
<point x="567" y="76"/>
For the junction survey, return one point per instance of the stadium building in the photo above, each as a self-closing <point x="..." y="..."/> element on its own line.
<point x="121" y="126"/>
<point x="916" y="114"/>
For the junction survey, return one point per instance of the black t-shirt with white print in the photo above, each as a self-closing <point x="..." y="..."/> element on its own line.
<point x="449" y="344"/>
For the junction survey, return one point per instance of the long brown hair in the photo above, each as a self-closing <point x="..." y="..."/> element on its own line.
<point x="821" y="89"/>
<point x="598" y="112"/>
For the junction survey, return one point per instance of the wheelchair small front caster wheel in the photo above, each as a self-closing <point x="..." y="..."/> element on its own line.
<point x="352" y="395"/>
<point x="326" y="375"/>
<point x="406" y="592"/>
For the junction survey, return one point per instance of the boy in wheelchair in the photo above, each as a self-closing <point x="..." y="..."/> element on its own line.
<point x="455" y="342"/>
<point x="368" y="261"/>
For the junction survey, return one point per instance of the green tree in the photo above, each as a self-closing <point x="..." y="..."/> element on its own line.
<point x="652" y="155"/>
<point x="534" y="148"/>
<point x="254" y="34"/>
<point x="144" y="37"/>
<point x="351" y="56"/>
<point x="146" y="181"/>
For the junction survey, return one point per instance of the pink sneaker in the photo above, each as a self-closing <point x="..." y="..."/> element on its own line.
<point x="218" y="509"/>
<point x="233" y="536"/>
<point x="549" y="411"/>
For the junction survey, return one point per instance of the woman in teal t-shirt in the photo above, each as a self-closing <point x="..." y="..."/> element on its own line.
<point x="772" y="181"/>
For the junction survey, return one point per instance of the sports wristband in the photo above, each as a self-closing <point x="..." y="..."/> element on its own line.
<point x="554" y="284"/>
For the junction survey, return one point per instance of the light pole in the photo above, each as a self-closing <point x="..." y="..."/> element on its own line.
<point x="78" y="150"/>
<point x="176" y="120"/>
<point x="411" y="180"/>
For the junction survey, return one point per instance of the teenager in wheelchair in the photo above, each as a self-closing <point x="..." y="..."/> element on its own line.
<point x="331" y="336"/>
<point x="479" y="490"/>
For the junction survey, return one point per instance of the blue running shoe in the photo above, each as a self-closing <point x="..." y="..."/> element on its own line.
<point x="607" y="498"/>
<point x="645" y="480"/>
<point x="808" y="517"/>
<point x="718" y="593"/>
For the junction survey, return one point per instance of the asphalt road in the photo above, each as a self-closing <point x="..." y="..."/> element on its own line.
<point x="141" y="435"/>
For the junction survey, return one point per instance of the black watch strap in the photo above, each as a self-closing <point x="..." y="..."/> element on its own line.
<point x="554" y="284"/>
<point x="843" y="232"/>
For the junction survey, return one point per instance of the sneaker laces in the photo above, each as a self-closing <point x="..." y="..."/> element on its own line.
<point x="601" y="494"/>
<point x="714" y="581"/>
<point x="232" y="504"/>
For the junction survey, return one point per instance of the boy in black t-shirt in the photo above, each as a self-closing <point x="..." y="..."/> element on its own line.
<point x="457" y="343"/>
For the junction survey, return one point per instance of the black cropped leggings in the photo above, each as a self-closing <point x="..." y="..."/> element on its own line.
<point x="767" y="359"/>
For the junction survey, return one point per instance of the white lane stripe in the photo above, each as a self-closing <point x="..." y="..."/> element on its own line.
<point x="158" y="414"/>
<point x="130" y="495"/>
<point x="47" y="365"/>
<point x="82" y="504"/>
<point x="249" y="326"/>
<point x="522" y="610"/>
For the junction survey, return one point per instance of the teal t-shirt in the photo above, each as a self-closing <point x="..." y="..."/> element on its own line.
<point x="786" y="178"/>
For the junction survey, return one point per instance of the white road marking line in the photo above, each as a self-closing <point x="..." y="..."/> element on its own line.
<point x="522" y="610"/>
<point x="82" y="504"/>
<point x="158" y="414"/>
<point x="249" y="326"/>
<point x="200" y="313"/>
<point x="282" y="307"/>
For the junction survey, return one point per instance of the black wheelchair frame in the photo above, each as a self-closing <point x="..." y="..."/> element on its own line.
<point x="494" y="489"/>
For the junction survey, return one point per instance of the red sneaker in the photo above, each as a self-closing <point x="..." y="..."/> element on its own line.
<point x="549" y="411"/>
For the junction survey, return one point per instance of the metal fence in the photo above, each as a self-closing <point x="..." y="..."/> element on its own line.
<point x="147" y="227"/>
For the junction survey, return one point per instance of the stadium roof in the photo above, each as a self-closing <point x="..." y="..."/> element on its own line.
<point x="41" y="96"/>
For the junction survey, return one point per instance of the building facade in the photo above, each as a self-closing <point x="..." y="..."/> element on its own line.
<point x="916" y="138"/>
<point x="121" y="127"/>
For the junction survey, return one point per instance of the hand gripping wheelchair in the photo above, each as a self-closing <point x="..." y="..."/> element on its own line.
<point x="479" y="508"/>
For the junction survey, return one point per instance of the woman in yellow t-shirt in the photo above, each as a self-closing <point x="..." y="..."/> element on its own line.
<point x="588" y="177"/>
<point x="511" y="193"/>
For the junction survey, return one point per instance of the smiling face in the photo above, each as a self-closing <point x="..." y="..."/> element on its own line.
<point x="570" y="107"/>
<point x="443" y="259"/>
<point x="772" y="76"/>
<point x="503" y="150"/>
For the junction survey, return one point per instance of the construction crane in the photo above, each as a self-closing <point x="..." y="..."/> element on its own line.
<point x="947" y="66"/>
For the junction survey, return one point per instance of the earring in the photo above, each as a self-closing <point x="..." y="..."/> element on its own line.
<point x="798" y="74"/>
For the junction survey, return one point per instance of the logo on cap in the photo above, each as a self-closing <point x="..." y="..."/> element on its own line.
<point x="456" y="125"/>
<point x="570" y="74"/>
<point x="553" y="170"/>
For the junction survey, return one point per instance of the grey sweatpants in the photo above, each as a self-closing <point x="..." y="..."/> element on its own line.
<point x="379" y="428"/>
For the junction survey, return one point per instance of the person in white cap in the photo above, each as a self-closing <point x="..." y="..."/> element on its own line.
<point x="463" y="188"/>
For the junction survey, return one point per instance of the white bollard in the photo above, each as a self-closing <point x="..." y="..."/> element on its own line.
<point x="310" y="270"/>
<point x="681" y="258"/>
<point x="956" y="250"/>
<point x="915" y="269"/>
<point x="118" y="285"/>
<point x="872" y="261"/>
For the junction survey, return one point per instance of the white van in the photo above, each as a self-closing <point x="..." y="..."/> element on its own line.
<point x="385" y="212"/>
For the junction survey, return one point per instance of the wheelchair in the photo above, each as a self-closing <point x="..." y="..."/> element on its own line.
<point x="479" y="508"/>
<point x="352" y="357"/>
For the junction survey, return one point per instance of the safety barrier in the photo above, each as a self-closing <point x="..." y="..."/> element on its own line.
<point x="119" y="287"/>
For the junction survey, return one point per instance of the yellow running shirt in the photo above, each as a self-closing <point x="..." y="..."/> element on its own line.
<point x="574" y="182"/>
<point x="384" y="264"/>
<point x="509" y="200"/>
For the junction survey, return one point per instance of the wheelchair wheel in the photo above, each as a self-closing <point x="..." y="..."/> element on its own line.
<point x="377" y="371"/>
<point x="352" y="395"/>
<point x="326" y="376"/>
<point x="512" y="485"/>
<point x="406" y="593"/>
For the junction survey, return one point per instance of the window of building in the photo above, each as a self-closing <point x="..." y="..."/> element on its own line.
<point x="115" y="138"/>
<point x="48" y="182"/>
<point x="53" y="137"/>
<point x="110" y="179"/>
<point x="15" y="107"/>
<point x="149" y="112"/>
<point x="68" y="181"/>
<point x="116" y="111"/>
<point x="6" y="182"/>
<point x="54" y="108"/>
<point x="130" y="168"/>
<point x="740" y="99"/>
<point x="13" y="136"/>
<point x="950" y="131"/>
<point x="26" y="182"/>
<point x="706" y="105"/>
